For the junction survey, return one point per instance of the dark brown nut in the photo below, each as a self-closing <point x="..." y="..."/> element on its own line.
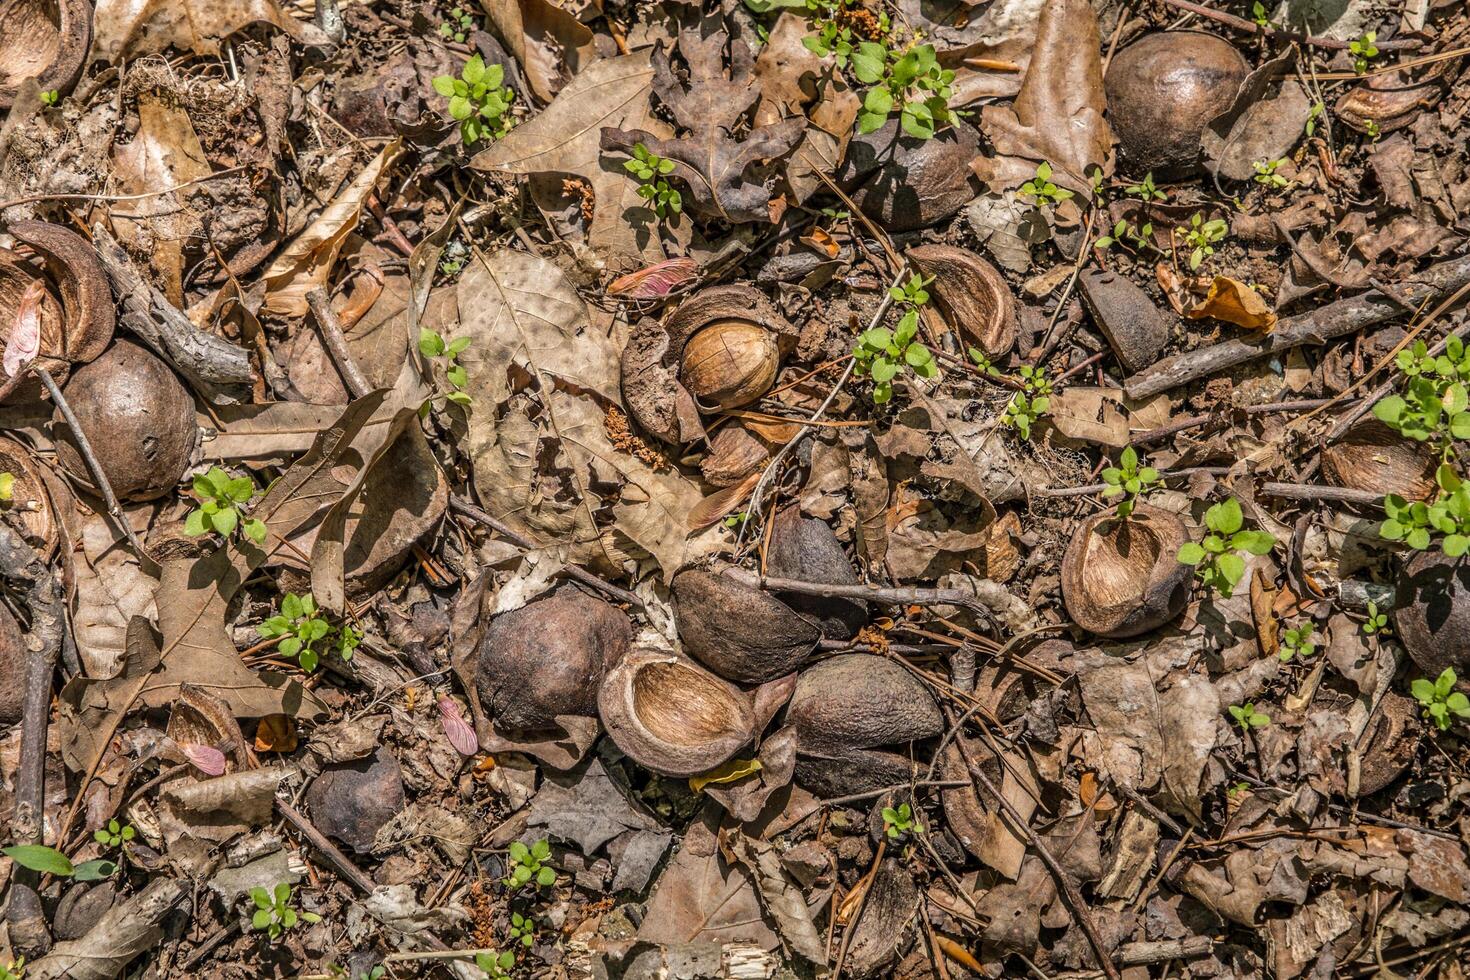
<point x="904" y="183"/>
<point x="1433" y="617"/>
<point x="805" y="549"/>
<point x="351" y="802"/>
<point x="734" y="453"/>
<point x="971" y="294"/>
<point x="1371" y="456"/>
<point x="138" y="419"/>
<point x="47" y="40"/>
<point x="1123" y="577"/>
<point x="860" y="701"/>
<point x="670" y="715"/>
<point x="742" y="633"/>
<point x="1162" y="91"/>
<point x="548" y="659"/>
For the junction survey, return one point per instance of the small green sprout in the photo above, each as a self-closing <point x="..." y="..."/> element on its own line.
<point x="836" y="214"/>
<point x="651" y="169"/>
<point x="911" y="82"/>
<point x="1440" y="700"/>
<point x="1030" y="403"/>
<point x="1095" y="174"/>
<point x="1215" y="560"/>
<point x="478" y="100"/>
<point x="1247" y="717"/>
<point x="833" y="34"/>
<point x="48" y="860"/>
<point x="1318" y="108"/>
<point x="1130" y="235"/>
<point x="1364" y="50"/>
<point x="1377" y="622"/>
<point x="51" y="99"/>
<point x="901" y="821"/>
<point x="221" y="498"/>
<point x="882" y="353"/>
<point x="7" y="487"/>
<point x="527" y="864"/>
<point x="1145" y="190"/>
<point x="458" y="26"/>
<point x="1238" y="789"/>
<point x="1041" y="189"/>
<point x="432" y="345"/>
<point x="114" y="835"/>
<point x="1202" y="236"/>
<point x="497" y="966"/>
<point x="302" y="628"/>
<point x="1266" y="174"/>
<point x="1259" y="15"/>
<point x="1131" y="479"/>
<point x="273" y="911"/>
<point x="982" y="362"/>
<point x="1434" y="405"/>
<point x="13" y="970"/>
<point x="1371" y="129"/>
<point x="522" y="929"/>
<point x="736" y="519"/>
<point x="1297" y="642"/>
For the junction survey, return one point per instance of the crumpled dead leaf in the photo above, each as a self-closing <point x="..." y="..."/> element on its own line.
<point x="132" y="28"/>
<point x="1234" y="302"/>
<point x="551" y="45"/>
<point x="1260" y="125"/>
<point x="781" y="897"/>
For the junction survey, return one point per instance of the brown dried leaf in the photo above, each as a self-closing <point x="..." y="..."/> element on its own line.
<point x="131" y="28"/>
<point x="1234" y="302"/>
<point x="551" y="45"/>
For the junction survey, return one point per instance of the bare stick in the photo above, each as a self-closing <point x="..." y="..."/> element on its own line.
<point x="336" y="342"/>
<point x="1308" y="491"/>
<point x="93" y="466"/>
<point x="1251" y="27"/>
<point x="1339" y="319"/>
<point x="344" y="867"/>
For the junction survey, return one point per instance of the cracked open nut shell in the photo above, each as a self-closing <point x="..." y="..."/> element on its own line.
<point x="1123" y="577"/>
<point x="47" y="40"/>
<point x="1371" y="456"/>
<point x="972" y="294"/>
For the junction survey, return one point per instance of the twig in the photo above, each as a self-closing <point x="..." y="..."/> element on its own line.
<point x="336" y="342"/>
<point x="899" y="788"/>
<point x="93" y="466"/>
<point x="38" y="198"/>
<point x="339" y="861"/>
<point x="1309" y="491"/>
<point x="1064" y="881"/>
<point x="1251" y="27"/>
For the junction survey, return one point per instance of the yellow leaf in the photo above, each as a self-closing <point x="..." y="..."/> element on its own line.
<point x="732" y="771"/>
<point x="1234" y="302"/>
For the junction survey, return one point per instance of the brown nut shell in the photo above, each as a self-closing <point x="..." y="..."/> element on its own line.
<point x="1393" y="740"/>
<point x="805" y="549"/>
<point x="671" y="715"/>
<point x="1433" y="616"/>
<point x="12" y="667"/>
<point x="47" y="40"/>
<point x="86" y="297"/>
<point x="1371" y="456"/>
<point x="728" y="364"/>
<point x="851" y="772"/>
<point x="743" y="634"/>
<point x="1162" y="91"/>
<point x="548" y="659"/>
<point x="29" y="499"/>
<point x="138" y="419"/>
<point x="860" y="701"/>
<point x="972" y="295"/>
<point x="1123" y="577"/>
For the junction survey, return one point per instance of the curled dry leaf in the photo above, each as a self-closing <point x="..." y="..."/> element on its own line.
<point x="550" y="43"/>
<point x="132" y="28"/>
<point x="1234" y="302"/>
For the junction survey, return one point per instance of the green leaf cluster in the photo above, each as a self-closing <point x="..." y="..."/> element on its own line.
<point x="522" y="929"/>
<point x="1259" y="15"/>
<point x="51" y="99"/>
<point x="1377" y="622"/>
<point x="982" y="362"/>
<point x="299" y="622"/>
<point x="911" y="82"/>
<point x="1031" y="403"/>
<point x="497" y="966"/>
<point x="1041" y="189"/>
<point x="882" y="354"/>
<point x="221" y="498"/>
<point x="1214" y="559"/>
<point x="1432" y="405"/>
<point x="273" y="911"/>
<point x="651" y="169"/>
<point x="1266" y="174"/>
<point x="14" y="970"/>
<point x="478" y="99"/>
<point x="114" y="835"/>
<point x="1297" y="642"/>
<point x="1247" y="717"/>
<point x="900" y="821"/>
<point x="1202" y="236"/>
<point x="1364" y="50"/>
<point x="1145" y="190"/>
<point x="527" y="864"/>
<point x="1131" y="479"/>
<point x="1441" y="702"/>
<point x="432" y="344"/>
<point x="50" y="861"/>
<point x="829" y="19"/>
<point x="458" y="26"/>
<point x="1414" y="522"/>
<point x="1130" y="235"/>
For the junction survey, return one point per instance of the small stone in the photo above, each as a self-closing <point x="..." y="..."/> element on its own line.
<point x="1136" y="329"/>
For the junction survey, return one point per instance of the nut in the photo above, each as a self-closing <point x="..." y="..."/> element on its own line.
<point x="547" y="659"/>
<point x="734" y="453"/>
<point x="46" y="40"/>
<point x="1433" y="617"/>
<point x="805" y="548"/>
<point x="728" y="364"/>
<point x="1163" y="90"/>
<point x="1371" y="456"/>
<point x="138" y="419"/>
<point x="905" y="183"/>
<point x="972" y="295"/>
<point x="351" y="802"/>
<point x="1122" y="577"/>
<point x="742" y="633"/>
<point x="672" y="716"/>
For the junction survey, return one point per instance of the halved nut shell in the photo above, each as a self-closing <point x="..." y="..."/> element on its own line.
<point x="29" y="499"/>
<point x="972" y="294"/>
<point x="672" y="716"/>
<point x="1371" y="456"/>
<point x="1123" y="577"/>
<point x="47" y="40"/>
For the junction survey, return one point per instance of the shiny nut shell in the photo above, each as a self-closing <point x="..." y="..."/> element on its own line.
<point x="729" y="363"/>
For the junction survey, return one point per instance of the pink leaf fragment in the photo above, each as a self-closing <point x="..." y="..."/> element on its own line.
<point x="207" y="759"/>
<point x="461" y="733"/>
<point x="656" y="281"/>
<point x="24" y="342"/>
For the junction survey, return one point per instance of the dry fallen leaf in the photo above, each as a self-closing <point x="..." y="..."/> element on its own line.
<point x="1234" y="302"/>
<point x="551" y="45"/>
<point x="132" y="28"/>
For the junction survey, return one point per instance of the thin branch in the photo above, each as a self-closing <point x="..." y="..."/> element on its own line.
<point x="1251" y="27"/>
<point x="344" y="867"/>
<point x="336" y="342"/>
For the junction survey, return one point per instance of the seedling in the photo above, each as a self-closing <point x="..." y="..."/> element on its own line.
<point x="497" y="966"/>
<point x="114" y="835"/>
<point x="7" y="487"/>
<point x="302" y="628"/>
<point x="1439" y="699"/>
<point x="1297" y="642"/>
<point x="882" y="354"/>
<point x="458" y="26"/>
<point x="1259" y="15"/>
<point x="736" y="519"/>
<point x="13" y="970"/>
<point x="1030" y="403"/>
<point x="1363" y="50"/>
<point x="1266" y="174"/>
<point x="1371" y="130"/>
<point x="527" y="864"/>
<point x="1215" y="560"/>
<point x="51" y="99"/>
<point x="1247" y="717"/>
<point x="1415" y="522"/>
<point x="1317" y="109"/>
<point x="432" y="345"/>
<point x="983" y="363"/>
<point x="651" y="169"/>
<point x="912" y="82"/>
<point x="1131" y="479"/>
<point x="1129" y="234"/>
<point x="1145" y="190"/>
<point x="1202" y="236"/>
<point x="48" y="860"/>
<point x="478" y="100"/>
<point x="221" y="499"/>
<point x="901" y="821"/>
<point x="832" y="23"/>
<point x="522" y="929"/>
<point x="1041" y="189"/>
<point x="1434" y="400"/>
<point x="273" y="911"/>
<point x="1377" y="622"/>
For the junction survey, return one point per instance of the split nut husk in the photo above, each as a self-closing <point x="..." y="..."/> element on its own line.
<point x="1371" y="456"/>
<point x="720" y="349"/>
<point x="740" y="632"/>
<point x="1393" y="740"/>
<point x="1123" y="577"/>
<point x="47" y="40"/>
<point x="29" y="502"/>
<point x="138" y="419"/>
<point x="1163" y="90"/>
<point x="1433" y="616"/>
<point x="972" y="295"/>
<point x="672" y="716"/>
<point x="548" y="658"/>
